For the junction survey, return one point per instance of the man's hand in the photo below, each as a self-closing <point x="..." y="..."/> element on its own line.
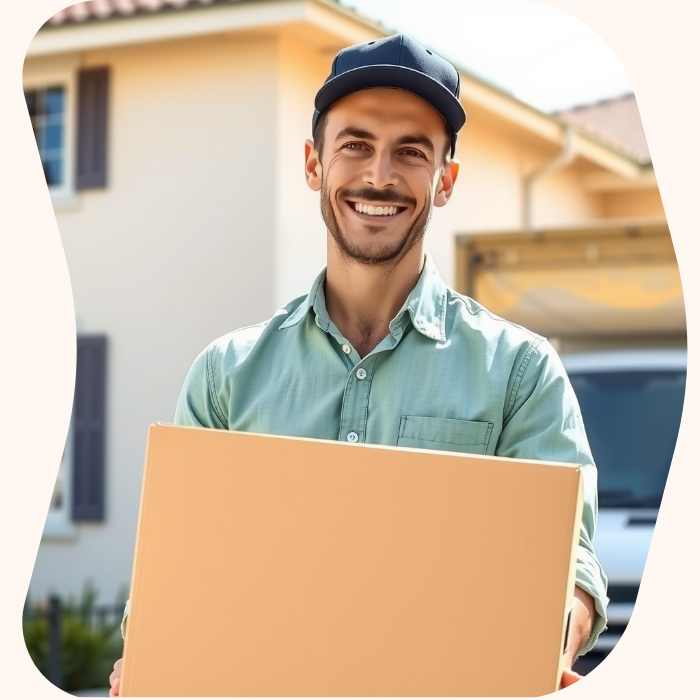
<point x="582" y="616"/>
<point x="115" y="679"/>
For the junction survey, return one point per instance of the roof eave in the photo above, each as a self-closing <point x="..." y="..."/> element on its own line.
<point x="334" y="19"/>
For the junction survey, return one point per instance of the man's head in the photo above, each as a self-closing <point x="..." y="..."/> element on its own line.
<point x="384" y="134"/>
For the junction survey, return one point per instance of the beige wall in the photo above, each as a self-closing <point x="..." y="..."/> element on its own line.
<point x="173" y="253"/>
<point x="634" y="204"/>
<point x="300" y="233"/>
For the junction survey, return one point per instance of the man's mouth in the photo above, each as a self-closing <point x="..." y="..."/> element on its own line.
<point x="376" y="210"/>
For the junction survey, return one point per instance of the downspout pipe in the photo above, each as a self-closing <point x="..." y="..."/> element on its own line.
<point x="563" y="158"/>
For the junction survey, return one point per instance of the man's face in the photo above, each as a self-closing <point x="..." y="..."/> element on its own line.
<point x="381" y="171"/>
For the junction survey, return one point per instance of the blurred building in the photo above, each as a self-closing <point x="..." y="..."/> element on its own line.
<point x="171" y="134"/>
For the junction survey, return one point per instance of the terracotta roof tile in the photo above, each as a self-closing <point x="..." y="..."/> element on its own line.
<point x="105" y="9"/>
<point x="615" y="121"/>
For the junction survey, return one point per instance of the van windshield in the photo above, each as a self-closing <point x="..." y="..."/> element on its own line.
<point x="632" y="420"/>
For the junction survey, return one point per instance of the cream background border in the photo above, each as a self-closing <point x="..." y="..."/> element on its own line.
<point x="657" y="44"/>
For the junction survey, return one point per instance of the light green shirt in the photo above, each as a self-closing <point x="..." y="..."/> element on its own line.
<point x="449" y="376"/>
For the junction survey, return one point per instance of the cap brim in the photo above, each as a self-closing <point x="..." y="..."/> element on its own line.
<point x="400" y="77"/>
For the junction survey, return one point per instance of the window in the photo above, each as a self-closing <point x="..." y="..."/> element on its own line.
<point x="632" y="420"/>
<point x="68" y="109"/>
<point x="78" y="494"/>
<point x="47" y="112"/>
<point x="49" y="92"/>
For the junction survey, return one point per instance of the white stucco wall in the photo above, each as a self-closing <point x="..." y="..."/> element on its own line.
<point x="300" y="250"/>
<point x="173" y="253"/>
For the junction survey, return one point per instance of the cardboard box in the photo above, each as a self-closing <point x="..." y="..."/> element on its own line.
<point x="274" y="566"/>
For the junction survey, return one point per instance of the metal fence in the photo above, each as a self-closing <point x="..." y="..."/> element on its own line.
<point x="86" y="635"/>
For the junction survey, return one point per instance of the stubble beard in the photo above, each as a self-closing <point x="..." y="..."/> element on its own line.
<point x="388" y="255"/>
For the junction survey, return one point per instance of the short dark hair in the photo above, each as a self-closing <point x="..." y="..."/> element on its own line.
<point x="319" y="137"/>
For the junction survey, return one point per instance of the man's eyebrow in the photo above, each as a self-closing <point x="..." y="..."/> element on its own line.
<point x="357" y="133"/>
<point x="419" y="139"/>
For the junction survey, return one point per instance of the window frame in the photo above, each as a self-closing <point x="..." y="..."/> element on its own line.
<point x="38" y="76"/>
<point x="59" y="524"/>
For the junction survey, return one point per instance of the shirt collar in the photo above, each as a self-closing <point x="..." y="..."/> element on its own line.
<point x="426" y="305"/>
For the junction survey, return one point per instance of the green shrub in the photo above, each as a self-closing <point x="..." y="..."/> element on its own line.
<point x="89" y="644"/>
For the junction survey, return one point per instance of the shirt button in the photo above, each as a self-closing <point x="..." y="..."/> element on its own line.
<point x="347" y="349"/>
<point x="361" y="373"/>
<point x="353" y="436"/>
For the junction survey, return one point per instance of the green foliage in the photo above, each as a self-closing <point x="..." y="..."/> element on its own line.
<point x="90" y="642"/>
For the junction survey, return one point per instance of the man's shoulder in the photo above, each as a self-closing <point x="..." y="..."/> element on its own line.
<point x="236" y="345"/>
<point x="467" y="315"/>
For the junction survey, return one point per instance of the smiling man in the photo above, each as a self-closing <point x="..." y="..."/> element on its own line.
<point x="380" y="350"/>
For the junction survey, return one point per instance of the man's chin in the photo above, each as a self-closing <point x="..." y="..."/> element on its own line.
<point x="371" y="253"/>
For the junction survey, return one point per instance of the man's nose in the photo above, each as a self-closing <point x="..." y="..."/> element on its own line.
<point x="380" y="172"/>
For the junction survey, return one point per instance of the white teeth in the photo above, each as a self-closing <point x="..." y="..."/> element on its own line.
<point x="375" y="211"/>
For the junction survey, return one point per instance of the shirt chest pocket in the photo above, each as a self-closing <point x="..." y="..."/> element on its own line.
<point x="449" y="434"/>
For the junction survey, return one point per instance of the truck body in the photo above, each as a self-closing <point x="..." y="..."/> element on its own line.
<point x="631" y="401"/>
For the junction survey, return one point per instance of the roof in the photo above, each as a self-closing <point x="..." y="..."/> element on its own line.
<point x="615" y="121"/>
<point x="107" y="9"/>
<point x="87" y="25"/>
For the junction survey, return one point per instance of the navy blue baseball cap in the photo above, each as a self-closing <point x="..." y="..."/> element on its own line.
<point x="395" y="62"/>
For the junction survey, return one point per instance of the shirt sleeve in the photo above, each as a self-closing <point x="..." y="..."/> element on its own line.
<point x="543" y="421"/>
<point x="127" y="608"/>
<point x="195" y="407"/>
<point x="198" y="405"/>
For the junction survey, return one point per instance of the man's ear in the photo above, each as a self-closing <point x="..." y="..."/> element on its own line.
<point x="312" y="166"/>
<point x="447" y="183"/>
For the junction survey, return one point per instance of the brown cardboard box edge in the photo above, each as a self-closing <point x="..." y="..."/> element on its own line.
<point x="279" y="442"/>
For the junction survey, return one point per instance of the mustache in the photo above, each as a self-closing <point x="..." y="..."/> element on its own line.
<point x="385" y="196"/>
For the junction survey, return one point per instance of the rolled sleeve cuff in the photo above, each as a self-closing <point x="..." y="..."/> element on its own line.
<point x="127" y="608"/>
<point x="589" y="579"/>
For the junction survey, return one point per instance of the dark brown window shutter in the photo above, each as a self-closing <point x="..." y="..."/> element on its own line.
<point x="93" y="88"/>
<point x="89" y="429"/>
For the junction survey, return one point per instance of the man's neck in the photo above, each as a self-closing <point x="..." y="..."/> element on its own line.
<point x="361" y="300"/>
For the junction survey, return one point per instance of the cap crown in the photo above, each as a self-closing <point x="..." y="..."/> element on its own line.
<point x="397" y="50"/>
<point x="395" y="62"/>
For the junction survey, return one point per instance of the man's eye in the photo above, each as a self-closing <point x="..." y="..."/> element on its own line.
<point x="412" y="152"/>
<point x="355" y="146"/>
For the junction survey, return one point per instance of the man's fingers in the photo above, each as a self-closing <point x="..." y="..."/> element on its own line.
<point x="114" y="679"/>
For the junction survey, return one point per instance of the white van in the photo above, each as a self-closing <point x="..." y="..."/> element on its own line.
<point x="631" y="402"/>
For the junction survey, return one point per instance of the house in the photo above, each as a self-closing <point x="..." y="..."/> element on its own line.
<point x="171" y="133"/>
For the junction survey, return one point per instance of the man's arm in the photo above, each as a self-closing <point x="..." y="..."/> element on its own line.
<point x="583" y="614"/>
<point x="543" y="421"/>
<point x="198" y="404"/>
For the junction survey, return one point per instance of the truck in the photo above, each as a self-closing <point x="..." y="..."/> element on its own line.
<point x="631" y="401"/>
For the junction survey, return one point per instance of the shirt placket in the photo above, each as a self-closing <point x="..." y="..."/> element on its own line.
<point x="353" y="415"/>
